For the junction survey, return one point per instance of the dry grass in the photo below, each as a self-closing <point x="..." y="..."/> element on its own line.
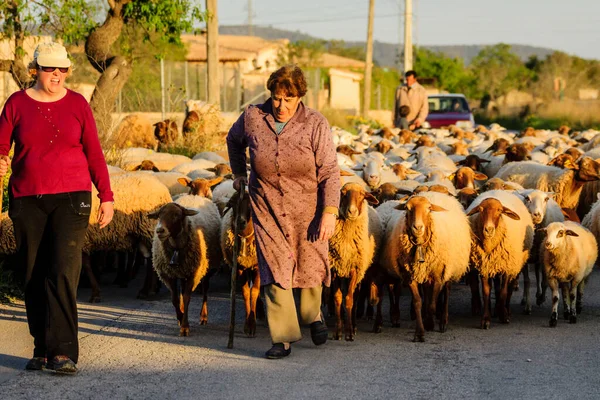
<point x="574" y="113"/>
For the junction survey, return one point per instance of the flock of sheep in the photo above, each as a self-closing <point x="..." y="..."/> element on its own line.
<point x="418" y="209"/>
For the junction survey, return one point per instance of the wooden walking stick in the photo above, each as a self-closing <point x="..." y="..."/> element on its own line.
<point x="234" y="268"/>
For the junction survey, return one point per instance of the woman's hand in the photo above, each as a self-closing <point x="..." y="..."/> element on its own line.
<point x="327" y="226"/>
<point x="105" y="213"/>
<point x="237" y="182"/>
<point x="4" y="161"/>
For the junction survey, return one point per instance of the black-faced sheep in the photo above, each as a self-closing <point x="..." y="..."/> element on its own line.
<point x="569" y="253"/>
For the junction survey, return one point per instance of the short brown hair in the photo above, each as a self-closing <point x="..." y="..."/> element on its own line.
<point x="289" y="79"/>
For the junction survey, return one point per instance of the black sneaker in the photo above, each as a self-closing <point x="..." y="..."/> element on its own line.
<point x="319" y="332"/>
<point x="278" y="351"/>
<point x="36" y="364"/>
<point x="62" y="365"/>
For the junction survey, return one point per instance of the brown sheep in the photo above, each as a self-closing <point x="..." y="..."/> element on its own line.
<point x="564" y="161"/>
<point x="385" y="192"/>
<point x="401" y="171"/>
<point x="465" y="196"/>
<point x="424" y="140"/>
<point x="474" y="162"/>
<point x="564" y="130"/>
<point x="405" y="136"/>
<point x="465" y="177"/>
<point x="200" y="187"/>
<point x="146" y="165"/>
<point x="166" y="132"/>
<point x="221" y="169"/>
<point x="498" y="147"/>
<point x="135" y="131"/>
<point x="459" y="148"/>
<point x="347" y="150"/>
<point x="574" y="152"/>
<point x="190" y="124"/>
<point x="517" y="152"/>
<point x="386" y="133"/>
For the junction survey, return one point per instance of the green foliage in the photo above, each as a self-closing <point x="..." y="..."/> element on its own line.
<point x="497" y="70"/>
<point x="70" y="20"/>
<point x="450" y="73"/>
<point x="9" y="288"/>
<point x="340" y="48"/>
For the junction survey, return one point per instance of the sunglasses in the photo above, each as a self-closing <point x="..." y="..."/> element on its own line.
<point x="64" y="70"/>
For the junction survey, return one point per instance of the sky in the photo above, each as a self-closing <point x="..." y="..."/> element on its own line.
<point x="572" y="26"/>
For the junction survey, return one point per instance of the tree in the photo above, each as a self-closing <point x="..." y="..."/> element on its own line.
<point x="450" y="73"/>
<point x="100" y="27"/>
<point x="497" y="70"/>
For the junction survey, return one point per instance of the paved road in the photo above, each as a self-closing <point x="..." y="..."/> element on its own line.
<point x="131" y="349"/>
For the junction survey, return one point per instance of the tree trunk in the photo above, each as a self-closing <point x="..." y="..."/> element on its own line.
<point x="115" y="69"/>
<point x="17" y="67"/>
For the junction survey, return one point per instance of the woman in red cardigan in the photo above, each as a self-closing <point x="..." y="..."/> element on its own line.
<point x="57" y="156"/>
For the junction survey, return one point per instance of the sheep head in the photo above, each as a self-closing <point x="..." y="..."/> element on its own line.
<point x="351" y="201"/>
<point x="466" y="177"/>
<point x="564" y="161"/>
<point x="536" y="202"/>
<point x="418" y="218"/>
<point x="171" y="221"/>
<point x="146" y="165"/>
<point x="200" y="187"/>
<point x="589" y="169"/>
<point x="243" y="220"/>
<point x="490" y="210"/>
<point x="556" y="233"/>
<point x="385" y="192"/>
<point x="220" y="169"/>
<point x="466" y="196"/>
<point x="517" y="152"/>
<point x="473" y="161"/>
<point x="498" y="147"/>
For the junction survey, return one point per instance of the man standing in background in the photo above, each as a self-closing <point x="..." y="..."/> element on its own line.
<point x="413" y="95"/>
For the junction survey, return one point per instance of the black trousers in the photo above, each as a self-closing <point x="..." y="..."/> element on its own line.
<point x="50" y="231"/>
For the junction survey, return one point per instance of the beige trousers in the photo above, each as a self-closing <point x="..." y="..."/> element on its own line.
<point x="281" y="311"/>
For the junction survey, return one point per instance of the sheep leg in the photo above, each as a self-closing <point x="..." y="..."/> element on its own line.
<point x="444" y="306"/>
<point x="572" y="300"/>
<point x="395" y="290"/>
<point x="417" y="304"/>
<point x="350" y="307"/>
<point x="434" y="293"/>
<point x="486" y="318"/>
<point x="151" y="283"/>
<point x="473" y="279"/>
<point x="337" y="298"/>
<point x="429" y="305"/>
<point x="497" y="289"/>
<point x="244" y="279"/>
<point x="186" y="295"/>
<point x="553" y="284"/>
<point x="205" y="286"/>
<point x="363" y="294"/>
<point x="579" y="301"/>
<point x="87" y="266"/>
<point x="565" y="299"/>
<point x="541" y="298"/>
<point x="501" y="302"/>
<point x="377" y="299"/>
<point x="526" y="286"/>
<point x="260" y="306"/>
<point x="171" y="284"/>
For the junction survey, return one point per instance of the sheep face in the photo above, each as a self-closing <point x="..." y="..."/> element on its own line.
<point x="418" y="218"/>
<point x="385" y="192"/>
<point x="220" y="170"/>
<point x="536" y="202"/>
<point x="517" y="152"/>
<point x="494" y="184"/>
<point x="383" y="146"/>
<point x="166" y="131"/>
<point x="474" y="162"/>
<point x="589" y="170"/>
<point x="347" y="150"/>
<point x="556" y="234"/>
<point x="466" y="196"/>
<point x="498" y="147"/>
<point x="564" y="161"/>
<point x="171" y="220"/>
<point x="351" y="201"/>
<point x="147" y="165"/>
<point x="425" y="141"/>
<point x="200" y="187"/>
<point x="401" y="171"/>
<point x="465" y="177"/>
<point x="490" y="211"/>
<point x="372" y="173"/>
<point x="242" y="221"/>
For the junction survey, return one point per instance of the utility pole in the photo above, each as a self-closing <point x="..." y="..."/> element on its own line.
<point x="250" y="12"/>
<point x="212" y="52"/>
<point x="408" y="50"/>
<point x="366" y="104"/>
<point x="400" y="33"/>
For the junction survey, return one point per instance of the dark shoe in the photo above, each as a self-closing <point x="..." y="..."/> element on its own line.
<point x="62" y="365"/>
<point x="319" y="332"/>
<point x="278" y="351"/>
<point x="36" y="364"/>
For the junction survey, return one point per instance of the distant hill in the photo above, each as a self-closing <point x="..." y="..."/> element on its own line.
<point x="385" y="54"/>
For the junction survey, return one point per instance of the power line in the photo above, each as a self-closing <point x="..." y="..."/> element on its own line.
<point x="349" y="18"/>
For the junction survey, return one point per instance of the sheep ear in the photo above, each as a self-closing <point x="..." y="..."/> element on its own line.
<point x="541" y="230"/>
<point x="412" y="171"/>
<point x="188" y="212"/>
<point x="483" y="160"/>
<point x="155" y="169"/>
<point x="480" y="177"/>
<point x="451" y="177"/>
<point x="461" y="162"/>
<point x="345" y="173"/>
<point x="137" y="168"/>
<point x="211" y="169"/>
<point x="371" y="199"/>
<point x="571" y="233"/>
<point x="184" y="181"/>
<point x="215" y="181"/>
<point x="510" y="213"/>
<point x="154" y="215"/>
<point x="473" y="211"/>
<point x="435" y="207"/>
<point x="570" y="165"/>
<point x="499" y="153"/>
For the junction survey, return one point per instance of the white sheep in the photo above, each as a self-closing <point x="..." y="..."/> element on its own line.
<point x="502" y="236"/>
<point x="569" y="253"/>
<point x="184" y="246"/>
<point x="352" y="248"/>
<point x="592" y="219"/>
<point x="429" y="243"/>
<point x="543" y="210"/>
<point x="565" y="183"/>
